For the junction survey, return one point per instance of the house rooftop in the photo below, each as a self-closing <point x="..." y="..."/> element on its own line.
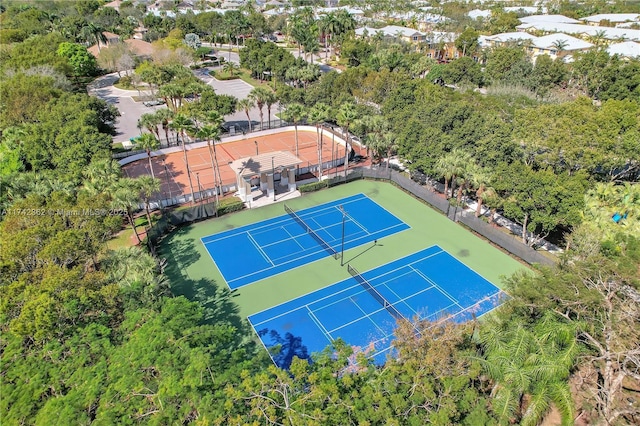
<point x="558" y="19"/>
<point x="607" y="33"/>
<point x="626" y="49"/>
<point x="570" y="43"/>
<point x="613" y="17"/>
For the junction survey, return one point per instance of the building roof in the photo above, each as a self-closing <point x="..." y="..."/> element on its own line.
<point x="571" y="43"/>
<point x="478" y="13"/>
<point x="510" y="37"/>
<point x="613" y="17"/>
<point x="626" y="49"/>
<point x="529" y="10"/>
<point x="558" y="19"/>
<point x="389" y="31"/>
<point x="264" y="163"/>
<point x="139" y="47"/>
<point x="590" y="30"/>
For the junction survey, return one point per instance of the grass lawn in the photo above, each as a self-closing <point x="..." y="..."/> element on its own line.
<point x="193" y="274"/>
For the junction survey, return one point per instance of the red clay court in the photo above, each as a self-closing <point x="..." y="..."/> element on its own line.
<point x="172" y="172"/>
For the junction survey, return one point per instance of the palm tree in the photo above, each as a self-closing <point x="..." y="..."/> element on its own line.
<point x="530" y="368"/>
<point x="347" y="114"/>
<point x="294" y="113"/>
<point x="270" y="100"/>
<point x="148" y="186"/>
<point x="164" y="116"/>
<point x="230" y="68"/>
<point x="318" y="114"/>
<point x="181" y="123"/>
<point x="560" y="45"/>
<point x="100" y="175"/>
<point x="447" y="167"/>
<point x="148" y="142"/>
<point x="259" y="96"/>
<point x="328" y="25"/>
<point x="480" y="179"/>
<point x="126" y="197"/>
<point x="94" y="32"/>
<point x="150" y="121"/>
<point x="245" y="105"/>
<point x="211" y="133"/>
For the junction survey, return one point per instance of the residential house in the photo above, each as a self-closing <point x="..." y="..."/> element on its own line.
<point x="612" y="19"/>
<point x="587" y="32"/>
<point x="556" y="19"/>
<point x="556" y="46"/>
<point x="393" y="32"/>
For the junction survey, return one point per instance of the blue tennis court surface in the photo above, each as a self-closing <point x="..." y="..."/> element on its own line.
<point x="428" y="285"/>
<point x="260" y="250"/>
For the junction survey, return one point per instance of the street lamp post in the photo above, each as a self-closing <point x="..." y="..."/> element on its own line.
<point x="256" y="142"/>
<point x="342" y="245"/>
<point x="166" y="173"/>
<point x="199" y="187"/>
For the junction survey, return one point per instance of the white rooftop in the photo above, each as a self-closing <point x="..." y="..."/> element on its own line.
<point x="613" y="17"/>
<point x="626" y="49"/>
<point x="607" y="32"/>
<point x="570" y="43"/>
<point x="530" y="10"/>
<point x="510" y="37"/>
<point x="478" y="13"/>
<point x="558" y="19"/>
<point x="390" y="31"/>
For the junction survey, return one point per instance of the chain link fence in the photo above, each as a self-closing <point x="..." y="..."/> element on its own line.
<point x="428" y="194"/>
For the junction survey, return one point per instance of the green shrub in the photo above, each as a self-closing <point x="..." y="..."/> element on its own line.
<point x="124" y="83"/>
<point x="314" y="186"/>
<point x="230" y="205"/>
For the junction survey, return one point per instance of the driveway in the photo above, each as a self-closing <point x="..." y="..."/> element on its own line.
<point x="130" y="110"/>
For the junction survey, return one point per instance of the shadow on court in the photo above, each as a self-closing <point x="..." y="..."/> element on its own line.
<point x="215" y="298"/>
<point x="283" y="349"/>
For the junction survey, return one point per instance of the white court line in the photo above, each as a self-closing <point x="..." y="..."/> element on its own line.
<point x="332" y="295"/>
<point x="255" y="243"/>
<point x="312" y="253"/>
<point x="319" y="324"/>
<point x="450" y="297"/>
<point x="291" y="238"/>
<point x="400" y="267"/>
<point x="368" y="317"/>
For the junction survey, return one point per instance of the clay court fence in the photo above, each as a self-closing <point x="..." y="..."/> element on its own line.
<point x="427" y="193"/>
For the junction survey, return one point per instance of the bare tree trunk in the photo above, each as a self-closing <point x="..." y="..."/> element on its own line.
<point x="524" y="228"/>
<point x="150" y="164"/>
<point x="186" y="163"/>
<point x="213" y="169"/>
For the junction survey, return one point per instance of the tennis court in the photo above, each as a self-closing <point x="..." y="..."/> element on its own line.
<point x="263" y="249"/>
<point x="363" y="310"/>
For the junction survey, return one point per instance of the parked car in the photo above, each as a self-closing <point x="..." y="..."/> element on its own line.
<point x="152" y="103"/>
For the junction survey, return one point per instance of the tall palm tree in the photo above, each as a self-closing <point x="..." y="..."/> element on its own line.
<point x="245" y="105"/>
<point x="317" y="115"/>
<point x="164" y="116"/>
<point x="294" y="113"/>
<point x="95" y="32"/>
<point x="126" y="197"/>
<point x="328" y="25"/>
<point x="211" y="133"/>
<point x="259" y="96"/>
<point x="480" y="180"/>
<point x="347" y="114"/>
<point x="148" y="186"/>
<point x="449" y="166"/>
<point x="270" y="100"/>
<point x="150" y="121"/>
<point x="148" y="142"/>
<point x="181" y="124"/>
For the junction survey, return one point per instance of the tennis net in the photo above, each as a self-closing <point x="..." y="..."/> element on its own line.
<point x="375" y="293"/>
<point x="310" y="231"/>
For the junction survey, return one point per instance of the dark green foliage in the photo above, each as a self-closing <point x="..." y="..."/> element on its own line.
<point x="314" y="186"/>
<point x="230" y="205"/>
